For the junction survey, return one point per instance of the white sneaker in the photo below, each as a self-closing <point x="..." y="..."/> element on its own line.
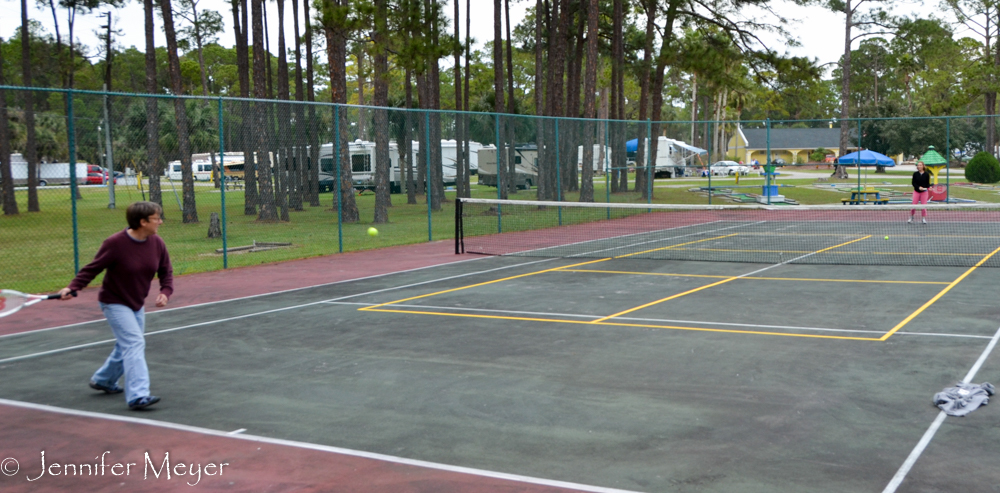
<point x="924" y="221"/>
<point x="910" y="220"/>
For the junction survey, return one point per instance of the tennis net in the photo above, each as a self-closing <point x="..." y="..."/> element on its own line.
<point x="955" y="234"/>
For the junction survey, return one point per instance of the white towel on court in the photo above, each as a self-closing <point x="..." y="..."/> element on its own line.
<point x="963" y="398"/>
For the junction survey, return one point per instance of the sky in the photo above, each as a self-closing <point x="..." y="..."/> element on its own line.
<point x="819" y="31"/>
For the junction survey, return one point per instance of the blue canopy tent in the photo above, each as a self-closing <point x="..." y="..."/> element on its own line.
<point x="632" y="145"/>
<point x="865" y="157"/>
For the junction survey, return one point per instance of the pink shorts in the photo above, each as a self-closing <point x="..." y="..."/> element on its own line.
<point x="921" y="197"/>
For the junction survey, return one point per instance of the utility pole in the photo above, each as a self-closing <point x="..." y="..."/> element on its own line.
<point x="108" y="154"/>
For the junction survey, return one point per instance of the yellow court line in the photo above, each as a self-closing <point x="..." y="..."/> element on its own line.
<point x="617" y="324"/>
<point x="936" y="254"/>
<point x="755" y="278"/>
<point x="695" y="290"/>
<point x="938" y="296"/>
<point x="371" y="308"/>
<point x="675" y="246"/>
<point x="640" y="307"/>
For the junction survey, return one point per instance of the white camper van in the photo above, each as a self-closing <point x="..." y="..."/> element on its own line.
<point x="674" y="158"/>
<point x="362" y="166"/>
<point x="525" y="162"/>
<point x="601" y="161"/>
<point x="202" y="170"/>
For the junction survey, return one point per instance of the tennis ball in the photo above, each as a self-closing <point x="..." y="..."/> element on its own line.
<point x="374" y="232"/>
<point x="887" y="237"/>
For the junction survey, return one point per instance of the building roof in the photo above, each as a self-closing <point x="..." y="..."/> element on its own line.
<point x="796" y="138"/>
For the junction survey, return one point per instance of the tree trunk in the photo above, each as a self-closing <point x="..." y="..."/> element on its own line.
<point x="6" y="180"/>
<point x="575" y="69"/>
<point x="589" y="106"/>
<point x="845" y="91"/>
<point x="616" y="135"/>
<point x="189" y="209"/>
<point x="406" y="147"/>
<point x="510" y="123"/>
<point x="243" y="141"/>
<point x="284" y="165"/>
<point x="465" y="99"/>
<point x="434" y="88"/>
<point x="643" y="161"/>
<point x="312" y="131"/>
<point x="153" y="167"/>
<point x="461" y="178"/>
<point x="554" y="93"/>
<point x="498" y="98"/>
<point x="336" y="53"/>
<point x="268" y="210"/>
<point x="539" y="98"/>
<point x="360" y="57"/>
<point x="30" y="150"/>
<point x="380" y="99"/>
<point x="300" y="179"/>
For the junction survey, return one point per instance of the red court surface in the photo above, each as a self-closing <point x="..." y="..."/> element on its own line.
<point x="246" y="465"/>
<point x="221" y="285"/>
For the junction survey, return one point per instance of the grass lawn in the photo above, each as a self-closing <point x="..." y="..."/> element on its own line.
<point x="38" y="252"/>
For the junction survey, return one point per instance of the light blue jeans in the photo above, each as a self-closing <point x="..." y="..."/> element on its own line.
<point x="129" y="355"/>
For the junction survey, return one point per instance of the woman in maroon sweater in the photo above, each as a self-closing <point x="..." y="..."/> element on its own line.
<point x="130" y="259"/>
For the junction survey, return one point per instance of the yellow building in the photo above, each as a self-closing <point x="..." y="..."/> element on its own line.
<point x="791" y="145"/>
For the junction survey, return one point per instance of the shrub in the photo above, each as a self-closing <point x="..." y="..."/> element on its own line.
<point x="983" y="168"/>
<point x="819" y="155"/>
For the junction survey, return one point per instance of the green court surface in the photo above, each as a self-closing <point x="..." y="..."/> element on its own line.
<point x="644" y="375"/>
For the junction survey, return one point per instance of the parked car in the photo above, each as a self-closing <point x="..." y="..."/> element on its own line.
<point x="95" y="178"/>
<point x="727" y="168"/>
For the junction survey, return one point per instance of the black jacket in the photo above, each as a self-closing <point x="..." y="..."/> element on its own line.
<point x="923" y="180"/>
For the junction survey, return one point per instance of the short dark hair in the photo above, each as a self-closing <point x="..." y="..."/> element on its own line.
<point x="139" y="211"/>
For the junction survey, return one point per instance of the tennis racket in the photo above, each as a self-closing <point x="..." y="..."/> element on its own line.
<point x="11" y="301"/>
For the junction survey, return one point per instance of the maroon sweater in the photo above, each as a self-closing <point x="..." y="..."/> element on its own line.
<point x="130" y="265"/>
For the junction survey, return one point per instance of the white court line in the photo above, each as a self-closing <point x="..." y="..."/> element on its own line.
<point x="237" y="432"/>
<point x="932" y="430"/>
<point x="665" y="239"/>
<point x="612" y="238"/>
<point x="238" y="317"/>
<point x="254" y="295"/>
<point x="321" y="448"/>
<point x="659" y="320"/>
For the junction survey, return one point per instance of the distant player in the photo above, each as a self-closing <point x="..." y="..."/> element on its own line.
<point x="921" y="191"/>
<point x="130" y="259"/>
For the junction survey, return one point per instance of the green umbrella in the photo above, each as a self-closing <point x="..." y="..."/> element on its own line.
<point x="932" y="157"/>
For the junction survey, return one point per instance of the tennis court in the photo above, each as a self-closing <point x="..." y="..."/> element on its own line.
<point x="586" y="358"/>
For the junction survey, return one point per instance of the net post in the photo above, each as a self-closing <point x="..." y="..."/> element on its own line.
<point x="222" y="189"/>
<point x="73" y="186"/>
<point x="458" y="225"/>
<point x="340" y="184"/>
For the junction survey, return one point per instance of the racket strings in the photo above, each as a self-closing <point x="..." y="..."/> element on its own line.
<point x="11" y="302"/>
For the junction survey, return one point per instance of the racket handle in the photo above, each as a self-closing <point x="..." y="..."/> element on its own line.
<point x="57" y="296"/>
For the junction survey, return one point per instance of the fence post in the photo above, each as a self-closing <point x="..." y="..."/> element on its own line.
<point x="496" y="163"/>
<point x="427" y="138"/>
<point x="558" y="177"/>
<point x="947" y="160"/>
<point x="650" y="162"/>
<point x="607" y="167"/>
<point x="337" y="180"/>
<point x="72" y="179"/>
<point x="768" y="168"/>
<point x="222" y="189"/>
